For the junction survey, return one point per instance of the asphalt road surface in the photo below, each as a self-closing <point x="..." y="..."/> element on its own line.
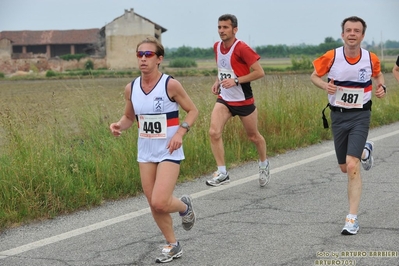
<point x="295" y="220"/>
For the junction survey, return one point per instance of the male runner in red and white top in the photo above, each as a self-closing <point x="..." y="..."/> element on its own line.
<point x="349" y="86"/>
<point x="235" y="60"/>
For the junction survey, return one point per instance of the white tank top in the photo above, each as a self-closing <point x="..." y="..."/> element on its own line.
<point x="158" y="120"/>
<point x="226" y="70"/>
<point x="353" y="80"/>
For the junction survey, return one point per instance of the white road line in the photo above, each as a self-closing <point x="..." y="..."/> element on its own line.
<point x="128" y="216"/>
<point x="69" y="234"/>
<point x="256" y="176"/>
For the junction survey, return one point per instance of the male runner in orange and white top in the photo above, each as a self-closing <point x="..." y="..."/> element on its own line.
<point x="350" y="70"/>
<point x="395" y="69"/>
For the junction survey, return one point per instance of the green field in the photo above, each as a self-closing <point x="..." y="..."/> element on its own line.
<point x="283" y="64"/>
<point x="57" y="154"/>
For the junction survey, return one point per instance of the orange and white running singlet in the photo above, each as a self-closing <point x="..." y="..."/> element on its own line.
<point x="351" y="75"/>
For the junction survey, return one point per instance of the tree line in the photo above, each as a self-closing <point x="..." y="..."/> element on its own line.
<point x="284" y="51"/>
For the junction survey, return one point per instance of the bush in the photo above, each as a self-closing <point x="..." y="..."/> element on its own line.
<point x="68" y="57"/>
<point x="2" y="75"/>
<point x="50" y="74"/>
<point x="89" y="65"/>
<point x="33" y="68"/>
<point x="384" y="68"/>
<point x="208" y="73"/>
<point x="182" y="62"/>
<point x="302" y="63"/>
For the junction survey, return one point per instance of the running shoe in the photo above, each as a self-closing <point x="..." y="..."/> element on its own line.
<point x="218" y="179"/>
<point x="170" y="252"/>
<point x="264" y="175"/>
<point x="188" y="219"/>
<point x="351" y="226"/>
<point x="369" y="162"/>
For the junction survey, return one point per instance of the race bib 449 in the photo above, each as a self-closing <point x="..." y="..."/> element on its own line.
<point x="153" y="126"/>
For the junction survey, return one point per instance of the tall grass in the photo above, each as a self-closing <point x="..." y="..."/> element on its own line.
<point x="57" y="154"/>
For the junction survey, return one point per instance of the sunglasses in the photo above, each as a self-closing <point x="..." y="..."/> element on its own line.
<point x="147" y="54"/>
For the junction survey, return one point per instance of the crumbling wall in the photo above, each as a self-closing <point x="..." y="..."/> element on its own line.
<point x="40" y="64"/>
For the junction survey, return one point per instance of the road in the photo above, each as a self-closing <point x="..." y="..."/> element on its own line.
<point x="295" y="220"/>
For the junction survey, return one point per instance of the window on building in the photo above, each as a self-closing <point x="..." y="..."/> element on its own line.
<point x="17" y="49"/>
<point x="58" y="50"/>
<point x="36" y="49"/>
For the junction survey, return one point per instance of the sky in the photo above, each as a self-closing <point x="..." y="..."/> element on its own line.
<point x="194" y="23"/>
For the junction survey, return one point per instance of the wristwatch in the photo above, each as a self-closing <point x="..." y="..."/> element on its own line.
<point x="186" y="126"/>
<point x="236" y="81"/>
<point x="384" y="87"/>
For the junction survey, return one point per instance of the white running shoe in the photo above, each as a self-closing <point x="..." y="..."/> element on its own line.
<point x="264" y="175"/>
<point x="170" y="252"/>
<point x="218" y="179"/>
<point x="188" y="219"/>
<point x="351" y="226"/>
<point x="369" y="162"/>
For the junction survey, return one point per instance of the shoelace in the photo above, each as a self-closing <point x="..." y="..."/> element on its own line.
<point x="350" y="221"/>
<point x="216" y="175"/>
<point x="166" y="249"/>
<point x="263" y="170"/>
<point x="188" y="217"/>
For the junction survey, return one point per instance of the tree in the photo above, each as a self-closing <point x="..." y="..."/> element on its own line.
<point x="391" y="44"/>
<point x="329" y="40"/>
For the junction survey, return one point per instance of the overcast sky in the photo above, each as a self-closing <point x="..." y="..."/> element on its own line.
<point x="194" y="22"/>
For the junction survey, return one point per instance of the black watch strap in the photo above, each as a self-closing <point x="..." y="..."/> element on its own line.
<point x="384" y="87"/>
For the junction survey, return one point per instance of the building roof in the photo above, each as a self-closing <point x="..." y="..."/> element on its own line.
<point x="157" y="26"/>
<point x="27" y="37"/>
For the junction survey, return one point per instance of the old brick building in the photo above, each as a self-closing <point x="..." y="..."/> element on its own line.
<point x="112" y="46"/>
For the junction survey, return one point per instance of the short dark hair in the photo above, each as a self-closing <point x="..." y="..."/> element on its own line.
<point x="159" y="47"/>
<point x="354" y="19"/>
<point x="232" y="18"/>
